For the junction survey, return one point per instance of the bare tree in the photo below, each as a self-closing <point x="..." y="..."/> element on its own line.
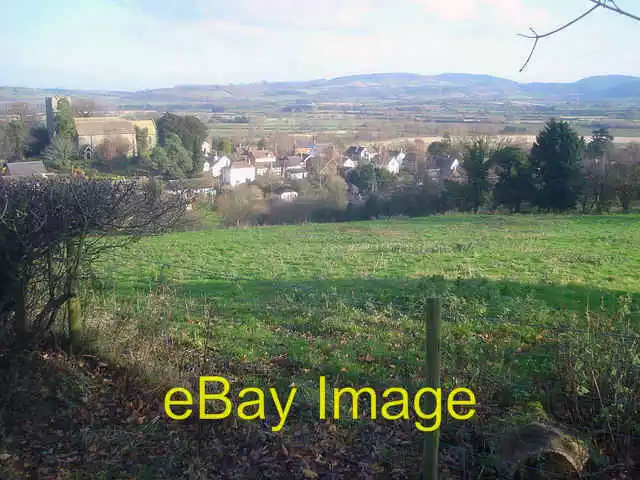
<point x="113" y="147"/>
<point x="21" y="111"/>
<point x="52" y="229"/>
<point x="605" y="4"/>
<point x="84" y="107"/>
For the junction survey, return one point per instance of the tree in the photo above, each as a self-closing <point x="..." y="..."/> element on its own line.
<point x="51" y="230"/>
<point x="142" y="142"/>
<point x="38" y="141"/>
<point x="328" y="187"/>
<point x="476" y="163"/>
<point x="598" y="192"/>
<point x="16" y="136"/>
<point x="600" y="144"/>
<point x="241" y="206"/>
<point x="223" y="146"/>
<point x="441" y="147"/>
<point x="112" y="148"/>
<point x="84" y="107"/>
<point x="179" y="161"/>
<point x="61" y="153"/>
<point x="157" y="161"/>
<point x="262" y="143"/>
<point x="556" y="160"/>
<point x="625" y="171"/>
<point x="191" y="132"/>
<point x="515" y="178"/>
<point x="21" y="111"/>
<point x="65" y="125"/>
<point x="364" y="177"/>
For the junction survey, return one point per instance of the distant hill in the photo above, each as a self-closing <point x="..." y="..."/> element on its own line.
<point x="376" y="87"/>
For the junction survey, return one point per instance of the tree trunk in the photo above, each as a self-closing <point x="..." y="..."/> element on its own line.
<point x="626" y="203"/>
<point x="21" y="322"/>
<point x="74" y="316"/>
<point x="517" y="208"/>
<point x="74" y="313"/>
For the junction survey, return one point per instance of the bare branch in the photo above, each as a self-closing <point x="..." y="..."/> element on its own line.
<point x="536" y="37"/>
<point x="614" y="8"/>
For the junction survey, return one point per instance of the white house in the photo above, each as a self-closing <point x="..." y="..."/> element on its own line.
<point x="297" y="173"/>
<point x="263" y="161"/>
<point x="238" y="173"/>
<point x="288" y="195"/>
<point x="27" y="169"/>
<point x="358" y="154"/>
<point x="215" y="165"/>
<point x="206" y="148"/>
<point x="395" y="163"/>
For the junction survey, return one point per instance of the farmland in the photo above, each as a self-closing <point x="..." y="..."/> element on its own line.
<point x="276" y="306"/>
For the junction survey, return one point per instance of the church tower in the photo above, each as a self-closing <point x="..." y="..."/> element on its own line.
<point x="51" y="107"/>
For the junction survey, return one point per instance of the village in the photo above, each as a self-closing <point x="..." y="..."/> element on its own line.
<point x="246" y="163"/>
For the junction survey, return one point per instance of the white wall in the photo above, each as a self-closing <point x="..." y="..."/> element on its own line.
<point x="218" y="165"/>
<point x="238" y="176"/>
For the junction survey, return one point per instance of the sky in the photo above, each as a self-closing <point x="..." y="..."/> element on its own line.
<point x="143" y="44"/>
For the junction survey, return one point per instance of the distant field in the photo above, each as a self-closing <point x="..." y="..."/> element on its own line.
<point x="375" y="127"/>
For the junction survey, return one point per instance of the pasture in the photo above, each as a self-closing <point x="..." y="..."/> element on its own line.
<point x="538" y="310"/>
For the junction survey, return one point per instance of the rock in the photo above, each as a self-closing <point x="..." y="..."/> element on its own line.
<point x="548" y="446"/>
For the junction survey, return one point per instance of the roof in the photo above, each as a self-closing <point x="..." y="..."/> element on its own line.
<point x="320" y="149"/>
<point x="258" y="152"/>
<point x="355" y="150"/>
<point x="235" y="165"/>
<point x="323" y="146"/>
<point x="26" y="169"/>
<point x="262" y="156"/>
<point x="103" y="126"/>
<point x="290" y="161"/>
<point x="441" y="161"/>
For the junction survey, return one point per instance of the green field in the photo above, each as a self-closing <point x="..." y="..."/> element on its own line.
<point x="521" y="294"/>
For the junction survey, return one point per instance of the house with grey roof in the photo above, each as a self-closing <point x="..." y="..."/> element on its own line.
<point x="358" y="153"/>
<point x="26" y="169"/>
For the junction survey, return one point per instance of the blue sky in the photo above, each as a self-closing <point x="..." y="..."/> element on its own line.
<point x="138" y="44"/>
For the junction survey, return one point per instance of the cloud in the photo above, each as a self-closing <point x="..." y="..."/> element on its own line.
<point x="451" y="11"/>
<point x="291" y="14"/>
<point x="147" y="43"/>
<point x="513" y="12"/>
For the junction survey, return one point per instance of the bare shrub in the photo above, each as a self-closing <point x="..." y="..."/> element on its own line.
<point x="241" y="206"/>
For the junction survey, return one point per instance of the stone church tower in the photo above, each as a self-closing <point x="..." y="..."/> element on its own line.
<point x="51" y="107"/>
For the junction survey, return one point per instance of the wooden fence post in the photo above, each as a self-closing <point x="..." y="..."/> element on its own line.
<point x="433" y="323"/>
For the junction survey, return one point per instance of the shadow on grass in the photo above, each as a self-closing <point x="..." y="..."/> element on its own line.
<point x="65" y="416"/>
<point x="501" y="338"/>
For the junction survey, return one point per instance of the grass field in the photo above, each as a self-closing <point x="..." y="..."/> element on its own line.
<point x="532" y="304"/>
